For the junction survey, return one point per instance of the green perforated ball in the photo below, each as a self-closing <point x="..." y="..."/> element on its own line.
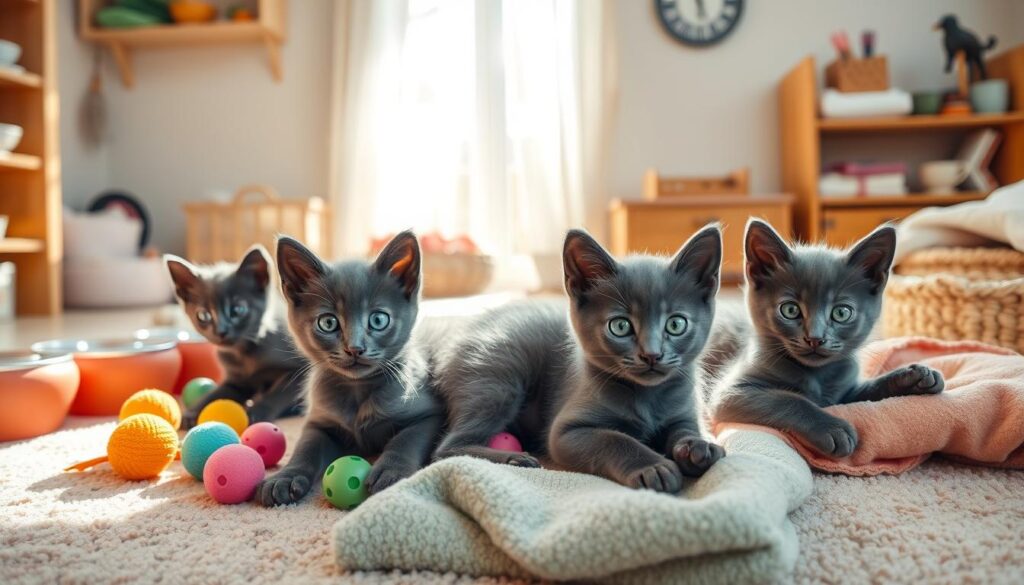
<point x="345" y="481"/>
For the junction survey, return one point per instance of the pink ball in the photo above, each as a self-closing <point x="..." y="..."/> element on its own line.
<point x="267" y="440"/>
<point x="505" y="442"/>
<point x="232" y="474"/>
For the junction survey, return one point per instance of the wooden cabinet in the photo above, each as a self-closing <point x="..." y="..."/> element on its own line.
<point x="842" y="227"/>
<point x="808" y="142"/>
<point x="662" y="225"/>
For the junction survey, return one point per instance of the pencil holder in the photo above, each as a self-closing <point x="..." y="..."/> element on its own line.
<point x="852" y="75"/>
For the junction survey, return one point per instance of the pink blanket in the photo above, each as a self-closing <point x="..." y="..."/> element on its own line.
<point x="979" y="418"/>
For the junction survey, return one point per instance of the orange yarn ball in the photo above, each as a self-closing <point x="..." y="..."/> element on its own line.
<point x="228" y="412"/>
<point x="142" y="446"/>
<point x="152" y="401"/>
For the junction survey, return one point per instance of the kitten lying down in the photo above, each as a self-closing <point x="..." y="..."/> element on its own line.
<point x="812" y="308"/>
<point x="608" y="390"/>
<point x="238" y="309"/>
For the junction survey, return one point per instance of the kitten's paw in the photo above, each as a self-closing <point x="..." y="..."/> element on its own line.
<point x="286" y="487"/>
<point x="522" y="460"/>
<point x="694" y="455"/>
<point x="916" y="379"/>
<point x="663" y="476"/>
<point x="388" y="472"/>
<point x="835" y="438"/>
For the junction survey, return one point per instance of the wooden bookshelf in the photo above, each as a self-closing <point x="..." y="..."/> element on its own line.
<point x="838" y="220"/>
<point x="30" y="192"/>
<point x="267" y="30"/>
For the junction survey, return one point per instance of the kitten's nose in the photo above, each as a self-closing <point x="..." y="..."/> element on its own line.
<point x="649" y="358"/>
<point x="355" y="350"/>
<point x="814" y="342"/>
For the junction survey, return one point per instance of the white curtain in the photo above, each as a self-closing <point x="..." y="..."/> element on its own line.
<point x="487" y="118"/>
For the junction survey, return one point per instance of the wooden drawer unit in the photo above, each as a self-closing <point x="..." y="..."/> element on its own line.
<point x="842" y="227"/>
<point x="663" y="225"/>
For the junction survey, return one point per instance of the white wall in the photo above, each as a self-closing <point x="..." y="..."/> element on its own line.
<point x="206" y="119"/>
<point x="706" y="111"/>
<point x="211" y="118"/>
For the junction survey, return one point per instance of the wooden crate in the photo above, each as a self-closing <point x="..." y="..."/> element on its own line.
<point x="224" y="231"/>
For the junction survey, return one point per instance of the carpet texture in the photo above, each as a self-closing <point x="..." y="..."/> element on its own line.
<point x="941" y="522"/>
<point x="471" y="516"/>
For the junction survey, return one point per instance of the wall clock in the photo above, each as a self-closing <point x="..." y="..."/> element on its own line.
<point x="699" y="22"/>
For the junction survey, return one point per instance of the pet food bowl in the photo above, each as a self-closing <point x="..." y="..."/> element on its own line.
<point x="940" y="177"/>
<point x="198" y="356"/>
<point x="114" y="369"/>
<point x="36" y="392"/>
<point x="10" y="136"/>
<point x="9" y="53"/>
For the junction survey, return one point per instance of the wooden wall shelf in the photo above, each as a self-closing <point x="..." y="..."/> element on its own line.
<point x="838" y="220"/>
<point x="20" y="162"/>
<point x="30" y="190"/>
<point x="27" y="80"/>
<point x="918" y="122"/>
<point x="268" y="30"/>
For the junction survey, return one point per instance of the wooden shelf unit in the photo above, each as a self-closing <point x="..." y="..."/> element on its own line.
<point x="30" y="192"/>
<point x="838" y="220"/>
<point x="268" y="29"/>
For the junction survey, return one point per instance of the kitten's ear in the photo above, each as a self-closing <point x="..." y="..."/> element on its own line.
<point x="401" y="258"/>
<point x="765" y="251"/>
<point x="700" y="258"/>
<point x="187" y="284"/>
<point x="873" y="255"/>
<point x="299" y="268"/>
<point x="256" y="264"/>
<point x="584" y="261"/>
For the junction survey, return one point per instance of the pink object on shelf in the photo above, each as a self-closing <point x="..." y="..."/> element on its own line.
<point x="505" y="442"/>
<point x="859" y="169"/>
<point x="232" y="473"/>
<point x="267" y="440"/>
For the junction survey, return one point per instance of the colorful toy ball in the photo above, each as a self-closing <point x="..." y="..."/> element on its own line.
<point x="201" y="442"/>
<point x="226" y="411"/>
<point x="195" y="389"/>
<point x="152" y="401"/>
<point x="267" y="440"/>
<point x="232" y="474"/>
<point x="505" y="442"/>
<point x="141" y="447"/>
<point x="344" y="482"/>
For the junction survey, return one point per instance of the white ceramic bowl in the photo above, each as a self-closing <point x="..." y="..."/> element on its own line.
<point x="10" y="136"/>
<point x="941" y="177"/>
<point x="9" y="53"/>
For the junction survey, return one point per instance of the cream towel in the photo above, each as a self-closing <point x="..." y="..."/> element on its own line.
<point x="473" y="517"/>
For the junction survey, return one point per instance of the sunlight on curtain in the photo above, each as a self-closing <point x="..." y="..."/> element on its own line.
<point x="466" y="117"/>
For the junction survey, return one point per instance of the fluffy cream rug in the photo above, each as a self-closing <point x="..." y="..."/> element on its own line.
<point x="941" y="522"/>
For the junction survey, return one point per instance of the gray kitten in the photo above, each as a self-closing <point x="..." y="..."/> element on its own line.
<point x="609" y="391"/>
<point x="812" y="308"/>
<point x="239" y="310"/>
<point x="370" y="391"/>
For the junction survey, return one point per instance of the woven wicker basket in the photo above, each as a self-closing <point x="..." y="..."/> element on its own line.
<point x="455" y="275"/>
<point x="959" y="293"/>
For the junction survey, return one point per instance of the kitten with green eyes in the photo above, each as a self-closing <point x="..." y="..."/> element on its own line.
<point x="238" y="309"/>
<point x="370" y="387"/>
<point x="610" y="388"/>
<point x="812" y="308"/>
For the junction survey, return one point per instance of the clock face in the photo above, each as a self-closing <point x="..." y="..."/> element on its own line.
<point x="699" y="22"/>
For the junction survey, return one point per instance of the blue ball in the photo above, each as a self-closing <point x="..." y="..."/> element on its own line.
<point x="201" y="442"/>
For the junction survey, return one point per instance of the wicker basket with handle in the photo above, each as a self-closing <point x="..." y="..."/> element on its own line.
<point x="256" y="214"/>
<point x="959" y="293"/>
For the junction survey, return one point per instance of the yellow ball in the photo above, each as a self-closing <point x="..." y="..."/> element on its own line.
<point x="226" y="411"/>
<point x="153" y="401"/>
<point x="142" y="446"/>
